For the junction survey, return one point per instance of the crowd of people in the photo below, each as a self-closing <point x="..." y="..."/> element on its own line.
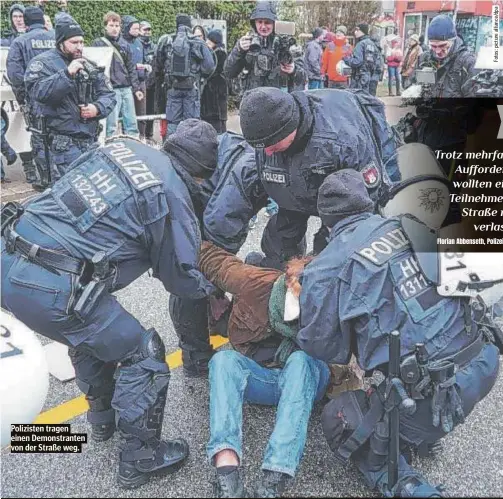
<point x="298" y="325"/>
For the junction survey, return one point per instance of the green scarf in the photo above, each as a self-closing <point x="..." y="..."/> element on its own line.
<point x="288" y="330"/>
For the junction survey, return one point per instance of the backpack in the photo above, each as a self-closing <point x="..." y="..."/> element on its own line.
<point x="371" y="55"/>
<point x="179" y="61"/>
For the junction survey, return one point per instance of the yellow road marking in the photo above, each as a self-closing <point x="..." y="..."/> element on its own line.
<point x="78" y="405"/>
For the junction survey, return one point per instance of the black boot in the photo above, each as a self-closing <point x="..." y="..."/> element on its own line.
<point x="144" y="454"/>
<point x="272" y="484"/>
<point x="28" y="167"/>
<point x="230" y="485"/>
<point x="195" y="364"/>
<point x="101" y="416"/>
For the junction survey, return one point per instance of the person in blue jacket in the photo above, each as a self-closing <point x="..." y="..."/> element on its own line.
<point x="299" y="139"/>
<point x="23" y="49"/>
<point x="55" y="81"/>
<point x="131" y="33"/>
<point x="364" y="61"/>
<point x="119" y="211"/>
<point x="368" y="282"/>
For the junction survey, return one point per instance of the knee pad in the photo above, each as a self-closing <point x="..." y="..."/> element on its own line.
<point x="151" y="348"/>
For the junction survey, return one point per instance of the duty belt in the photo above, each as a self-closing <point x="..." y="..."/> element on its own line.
<point x="419" y="373"/>
<point x="49" y="259"/>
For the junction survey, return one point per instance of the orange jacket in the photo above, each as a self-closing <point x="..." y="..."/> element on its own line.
<point x="335" y="51"/>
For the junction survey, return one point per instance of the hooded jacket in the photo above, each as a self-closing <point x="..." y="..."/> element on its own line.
<point x="11" y="34"/>
<point x="312" y="60"/>
<point x="334" y="52"/>
<point x="137" y="48"/>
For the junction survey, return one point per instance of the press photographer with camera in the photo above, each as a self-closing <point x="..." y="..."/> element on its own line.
<point x="263" y="57"/>
<point x="69" y="96"/>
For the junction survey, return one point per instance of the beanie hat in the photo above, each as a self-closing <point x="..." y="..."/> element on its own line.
<point x="215" y="35"/>
<point x="145" y="25"/>
<point x="442" y="28"/>
<point x="415" y="38"/>
<point x="317" y="32"/>
<point x="33" y="15"/>
<point x="195" y="144"/>
<point x="342" y="194"/>
<point x="268" y="115"/>
<point x="183" y="20"/>
<point x="342" y="29"/>
<point x="364" y="27"/>
<point x="66" y="27"/>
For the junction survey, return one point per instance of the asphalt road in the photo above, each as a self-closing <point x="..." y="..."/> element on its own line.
<point x="470" y="465"/>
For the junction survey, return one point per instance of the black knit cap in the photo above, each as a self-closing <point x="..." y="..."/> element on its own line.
<point x="195" y="144"/>
<point x="183" y="20"/>
<point x="342" y="194"/>
<point x="215" y="35"/>
<point x="66" y="27"/>
<point x="364" y="27"/>
<point x="268" y="115"/>
<point x="33" y="15"/>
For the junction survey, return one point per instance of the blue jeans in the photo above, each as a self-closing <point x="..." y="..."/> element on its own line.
<point x="235" y="378"/>
<point x="124" y="106"/>
<point x="314" y="84"/>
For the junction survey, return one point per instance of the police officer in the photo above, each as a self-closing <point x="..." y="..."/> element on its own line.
<point x="149" y="49"/>
<point x="377" y="75"/>
<point x="23" y="49"/>
<point x="299" y="139"/>
<point x="120" y="210"/>
<point x="364" y="60"/>
<point x="184" y="59"/>
<point x="235" y="159"/>
<point x="55" y="81"/>
<point x="17" y="26"/>
<point x="260" y="66"/>
<point x="367" y="283"/>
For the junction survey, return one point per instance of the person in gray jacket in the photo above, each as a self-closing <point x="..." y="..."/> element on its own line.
<point x="312" y="60"/>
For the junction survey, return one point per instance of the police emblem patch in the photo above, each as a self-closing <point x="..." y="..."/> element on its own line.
<point x="371" y="175"/>
<point x="36" y="66"/>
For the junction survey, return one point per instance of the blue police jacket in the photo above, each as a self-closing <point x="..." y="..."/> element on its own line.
<point x="53" y="94"/>
<point x="22" y="50"/>
<point x="366" y="283"/>
<point x="339" y="129"/>
<point x="236" y="193"/>
<point x="364" y="56"/>
<point x="126" y="199"/>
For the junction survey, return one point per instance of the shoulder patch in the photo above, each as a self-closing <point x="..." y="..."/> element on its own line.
<point x="371" y="175"/>
<point x="36" y="66"/>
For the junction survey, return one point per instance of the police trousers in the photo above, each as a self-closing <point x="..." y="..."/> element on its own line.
<point x="182" y="105"/>
<point x="107" y="335"/>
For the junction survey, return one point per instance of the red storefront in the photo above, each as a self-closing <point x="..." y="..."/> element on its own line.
<point x="473" y="19"/>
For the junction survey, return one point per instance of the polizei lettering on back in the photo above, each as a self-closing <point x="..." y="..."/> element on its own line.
<point x="43" y="44"/>
<point x="276" y="178"/>
<point x="384" y="247"/>
<point x="137" y="171"/>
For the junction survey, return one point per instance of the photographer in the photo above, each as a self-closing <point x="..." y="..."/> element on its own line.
<point x="264" y="57"/>
<point x="57" y="80"/>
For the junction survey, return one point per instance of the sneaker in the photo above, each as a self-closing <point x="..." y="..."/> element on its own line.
<point x="230" y="485"/>
<point x="272" y="484"/>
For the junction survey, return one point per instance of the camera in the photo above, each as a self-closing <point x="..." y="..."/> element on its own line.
<point x="255" y="44"/>
<point x="284" y="40"/>
<point x="91" y="70"/>
<point x="426" y="76"/>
